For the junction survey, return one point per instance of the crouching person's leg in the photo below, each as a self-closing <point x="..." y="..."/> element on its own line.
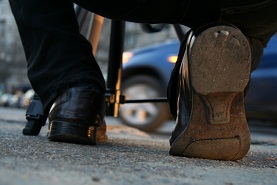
<point x="62" y="70"/>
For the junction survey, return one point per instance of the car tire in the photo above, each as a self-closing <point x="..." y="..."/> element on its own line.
<point x="144" y="116"/>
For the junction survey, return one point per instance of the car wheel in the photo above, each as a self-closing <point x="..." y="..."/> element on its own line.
<point x="144" y="116"/>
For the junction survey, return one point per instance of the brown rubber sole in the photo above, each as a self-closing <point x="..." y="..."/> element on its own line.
<point x="219" y="70"/>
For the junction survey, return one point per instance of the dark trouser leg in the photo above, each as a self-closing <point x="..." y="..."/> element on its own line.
<point x="57" y="55"/>
<point x="143" y="11"/>
<point x="257" y="19"/>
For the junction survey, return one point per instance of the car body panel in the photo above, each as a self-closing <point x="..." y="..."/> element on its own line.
<point x="150" y="60"/>
<point x="261" y="101"/>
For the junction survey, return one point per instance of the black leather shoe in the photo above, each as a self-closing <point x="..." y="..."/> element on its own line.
<point x="209" y="112"/>
<point x="77" y="116"/>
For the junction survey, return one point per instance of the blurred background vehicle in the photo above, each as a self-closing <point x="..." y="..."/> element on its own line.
<point x="26" y="98"/>
<point x="9" y="100"/>
<point x="16" y="96"/>
<point x="261" y="100"/>
<point x="146" y="72"/>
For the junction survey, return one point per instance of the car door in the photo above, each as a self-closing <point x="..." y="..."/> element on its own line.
<point x="262" y="96"/>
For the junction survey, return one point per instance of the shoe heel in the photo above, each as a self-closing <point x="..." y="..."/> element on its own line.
<point x="76" y="133"/>
<point x="99" y="133"/>
<point x="219" y="62"/>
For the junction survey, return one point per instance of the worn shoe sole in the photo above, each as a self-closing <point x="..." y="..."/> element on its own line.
<point x="76" y="133"/>
<point x="219" y="69"/>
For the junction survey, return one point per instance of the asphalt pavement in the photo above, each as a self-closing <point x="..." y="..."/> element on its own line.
<point x="129" y="157"/>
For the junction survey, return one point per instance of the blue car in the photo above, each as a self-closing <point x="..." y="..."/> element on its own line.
<point x="261" y="101"/>
<point x="146" y="72"/>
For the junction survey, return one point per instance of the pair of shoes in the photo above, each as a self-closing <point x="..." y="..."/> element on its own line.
<point x="212" y="75"/>
<point x="77" y="116"/>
